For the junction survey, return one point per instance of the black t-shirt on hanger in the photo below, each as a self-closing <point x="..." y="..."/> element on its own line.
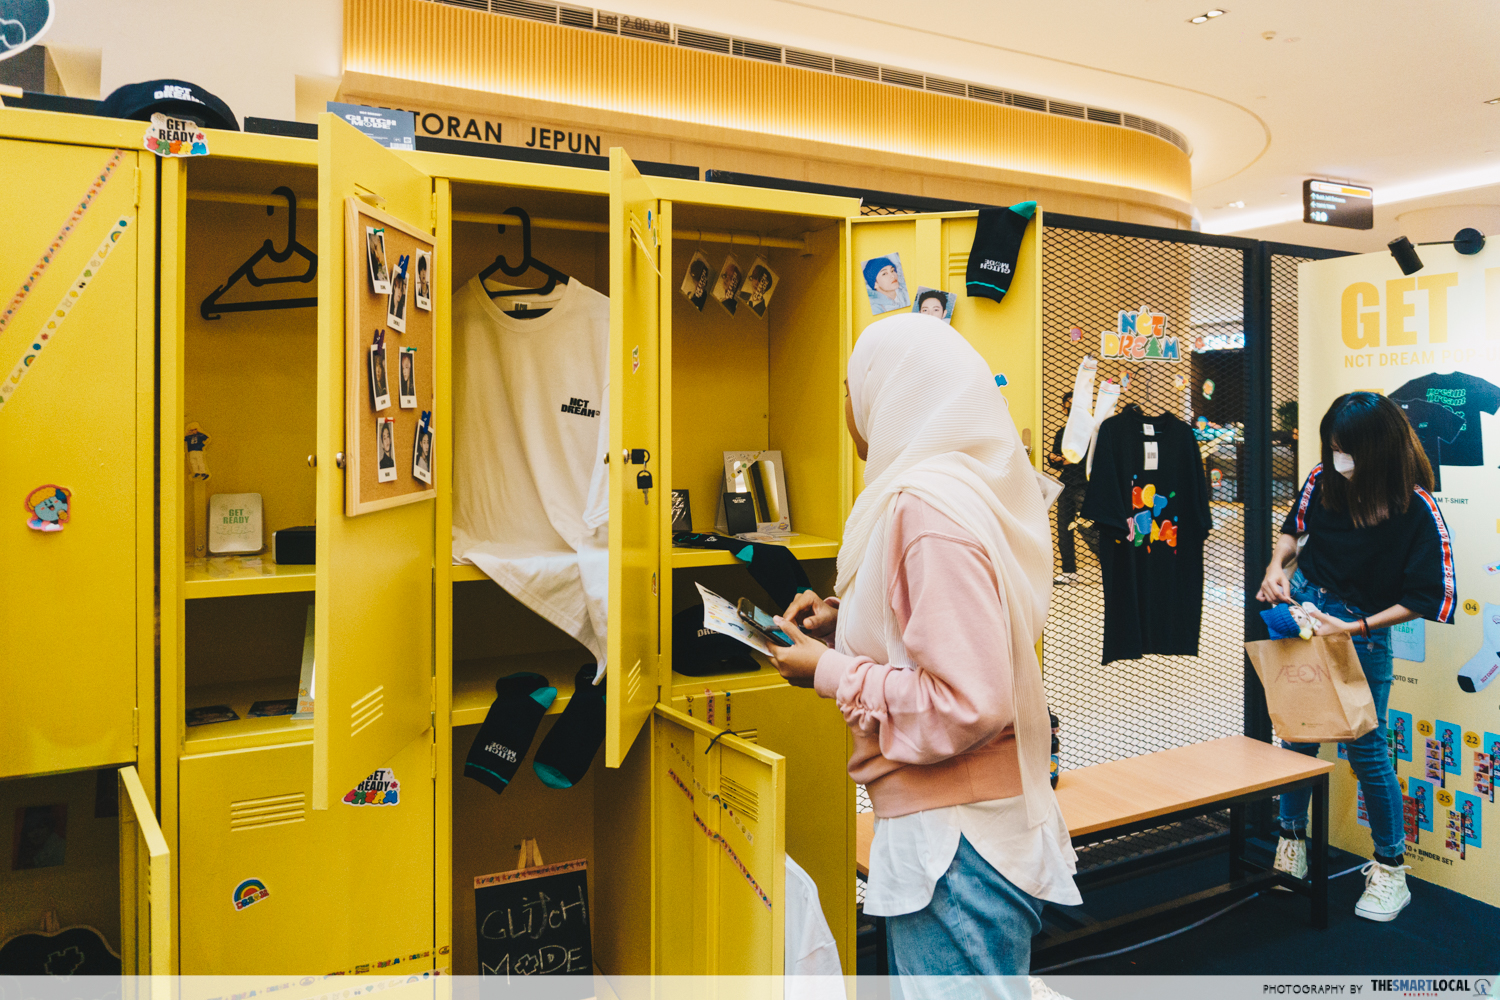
<point x="1466" y="395"/>
<point x="1435" y="426"/>
<point x="1149" y="499"/>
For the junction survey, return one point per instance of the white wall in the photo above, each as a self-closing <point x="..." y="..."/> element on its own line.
<point x="247" y="54"/>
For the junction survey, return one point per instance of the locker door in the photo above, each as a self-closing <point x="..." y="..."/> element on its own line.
<point x="145" y="884"/>
<point x="70" y="388"/>
<point x="634" y="423"/>
<point x="375" y="606"/>
<point x="720" y="851"/>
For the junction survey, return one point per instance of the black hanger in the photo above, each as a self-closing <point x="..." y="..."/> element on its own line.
<point x="212" y="308"/>
<point x="528" y="262"/>
<point x="1134" y="408"/>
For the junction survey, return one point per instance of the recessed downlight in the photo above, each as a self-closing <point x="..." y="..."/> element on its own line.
<point x="1216" y="13"/>
<point x="1200" y="19"/>
<point x="1208" y="15"/>
<point x="1493" y="100"/>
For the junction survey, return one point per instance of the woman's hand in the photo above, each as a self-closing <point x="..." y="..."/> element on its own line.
<point x="1328" y="625"/>
<point x="814" y="615"/>
<point x="798" y="662"/>
<point x="1276" y="588"/>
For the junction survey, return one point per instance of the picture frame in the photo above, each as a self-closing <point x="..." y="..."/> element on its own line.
<point x="395" y="308"/>
<point x="406" y="377"/>
<point x="422" y="281"/>
<point x="421" y="456"/>
<point x="380" y="382"/>
<point x="385" y="448"/>
<point x="376" y="259"/>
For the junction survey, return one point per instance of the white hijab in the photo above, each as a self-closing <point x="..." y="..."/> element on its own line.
<point x="939" y="429"/>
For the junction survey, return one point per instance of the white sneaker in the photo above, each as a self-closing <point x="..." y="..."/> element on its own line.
<point x="1291" y="857"/>
<point x="1385" y="892"/>
<point x="1041" y="991"/>
<point x="1063" y="579"/>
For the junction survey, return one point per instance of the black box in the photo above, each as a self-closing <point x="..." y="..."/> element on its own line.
<point x="295" y="546"/>
<point x="739" y="513"/>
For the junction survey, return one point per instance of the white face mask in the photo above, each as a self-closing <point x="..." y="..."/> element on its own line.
<point x="1343" y="463"/>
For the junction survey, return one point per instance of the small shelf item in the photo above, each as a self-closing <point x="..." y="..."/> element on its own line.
<point x="235" y="524"/>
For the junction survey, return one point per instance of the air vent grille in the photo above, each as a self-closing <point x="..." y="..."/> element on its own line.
<point x="757" y="50"/>
<point x="607" y="22"/>
<point x="942" y="86"/>
<point x="1028" y="102"/>
<point x="645" y="27"/>
<point x="575" y="17"/>
<point x="525" y="8"/>
<point x="809" y="60"/>
<point x="694" y="39"/>
<point x="1108" y="117"/>
<point x="900" y="77"/>
<point x="470" y="4"/>
<point x="848" y="67"/>
<point x="744" y="801"/>
<point x="988" y="94"/>
<point x="1064" y="109"/>
<point x="274" y="810"/>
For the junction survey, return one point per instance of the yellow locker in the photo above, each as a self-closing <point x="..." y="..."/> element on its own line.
<point x="145" y="883"/>
<point x="75" y="383"/>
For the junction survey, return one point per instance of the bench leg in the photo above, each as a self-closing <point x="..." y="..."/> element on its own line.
<point x="1236" y="840"/>
<point x="1318" y="862"/>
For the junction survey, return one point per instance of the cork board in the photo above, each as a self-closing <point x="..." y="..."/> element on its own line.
<point x="371" y="483"/>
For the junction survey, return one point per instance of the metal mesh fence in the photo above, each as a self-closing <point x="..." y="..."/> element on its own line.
<point x="1132" y="707"/>
<point x="1284" y="443"/>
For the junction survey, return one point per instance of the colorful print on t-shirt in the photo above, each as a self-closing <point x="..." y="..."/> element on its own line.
<point x="1146" y="523"/>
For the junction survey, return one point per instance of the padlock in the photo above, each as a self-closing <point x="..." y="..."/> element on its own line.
<point x="643" y="483"/>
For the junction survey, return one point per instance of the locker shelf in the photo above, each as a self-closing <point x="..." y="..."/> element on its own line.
<point x="763" y="677"/>
<point x="474" y="680"/>
<point x="465" y="572"/>
<point x="802" y="546"/>
<point x="244" y="731"/>
<point x="231" y="576"/>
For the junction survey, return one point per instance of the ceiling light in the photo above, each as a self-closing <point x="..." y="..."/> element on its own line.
<point x="1200" y="19"/>
<point x="1236" y="204"/>
<point x="1493" y="100"/>
<point x="1217" y="13"/>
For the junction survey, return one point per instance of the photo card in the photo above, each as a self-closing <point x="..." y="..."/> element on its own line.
<point x="395" y="308"/>
<point x="885" y="283"/>
<point x="380" y="387"/>
<point x="422" y="286"/>
<point x="935" y="302"/>
<point x="380" y="272"/>
<point x="406" y="377"/>
<point x="421" y="450"/>
<point x="695" y="283"/>
<point x="728" y="285"/>
<point x="759" y="285"/>
<point x="385" y="449"/>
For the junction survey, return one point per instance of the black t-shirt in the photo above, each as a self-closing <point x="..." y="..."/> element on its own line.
<point x="1072" y="473"/>
<point x="1152" y="524"/>
<point x="1464" y="394"/>
<point x="1435" y="426"/>
<point x="1406" y="559"/>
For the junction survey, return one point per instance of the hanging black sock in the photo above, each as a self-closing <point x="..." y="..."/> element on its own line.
<point x="772" y="566"/>
<point x="997" y="244"/>
<point x="566" y="752"/>
<point x="506" y="733"/>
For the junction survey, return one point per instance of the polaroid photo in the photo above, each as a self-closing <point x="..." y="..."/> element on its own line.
<point x="728" y="285"/>
<point x="211" y="713"/>
<point x="385" y="449"/>
<point x="395" y="304"/>
<point x="759" y="285"/>
<point x="41" y="837"/>
<point x="406" y="377"/>
<point x="422" y="287"/>
<point x="380" y="386"/>
<point x="268" y="709"/>
<point x="936" y="303"/>
<point x="421" y="449"/>
<point x="695" y="282"/>
<point x="380" y="272"/>
<point x="885" y="284"/>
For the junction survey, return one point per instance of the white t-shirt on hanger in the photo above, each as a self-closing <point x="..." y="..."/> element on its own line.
<point x="812" y="955"/>
<point x="530" y="414"/>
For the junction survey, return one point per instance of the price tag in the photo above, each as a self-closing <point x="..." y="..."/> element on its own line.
<point x="1151" y="459"/>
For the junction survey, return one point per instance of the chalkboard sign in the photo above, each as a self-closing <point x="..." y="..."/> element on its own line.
<point x="535" y="922"/>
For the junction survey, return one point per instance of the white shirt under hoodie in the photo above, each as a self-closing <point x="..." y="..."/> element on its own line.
<point x="530" y="413"/>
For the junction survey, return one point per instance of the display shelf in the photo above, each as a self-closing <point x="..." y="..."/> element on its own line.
<point x="802" y="546"/>
<point x="465" y="572"/>
<point x="244" y="731"/>
<point x="474" y="680"/>
<point x="232" y="576"/>
<point x="764" y="676"/>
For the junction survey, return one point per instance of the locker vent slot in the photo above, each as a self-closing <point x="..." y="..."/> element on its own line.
<point x="958" y="264"/>
<point x="366" y="710"/>
<point x="274" y="810"/>
<point x="748" y="735"/>
<point x="744" y="801"/>
<point x="633" y="682"/>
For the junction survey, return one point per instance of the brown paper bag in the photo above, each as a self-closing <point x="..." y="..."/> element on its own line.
<point x="1315" y="688"/>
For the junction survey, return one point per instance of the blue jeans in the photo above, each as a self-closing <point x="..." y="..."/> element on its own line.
<point x="1370" y="754"/>
<point x="976" y="932"/>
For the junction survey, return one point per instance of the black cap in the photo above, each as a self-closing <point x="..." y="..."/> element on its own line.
<point x="699" y="651"/>
<point x="176" y="98"/>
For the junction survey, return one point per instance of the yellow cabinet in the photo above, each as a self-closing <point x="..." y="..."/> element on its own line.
<point x="145" y="883"/>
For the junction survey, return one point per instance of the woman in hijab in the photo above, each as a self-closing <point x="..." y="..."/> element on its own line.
<point x="929" y="650"/>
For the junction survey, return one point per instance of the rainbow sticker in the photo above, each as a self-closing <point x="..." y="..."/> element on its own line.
<point x="252" y="890"/>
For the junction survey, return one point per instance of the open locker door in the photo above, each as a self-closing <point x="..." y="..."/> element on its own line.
<point x="373" y="628"/>
<point x="634" y="444"/>
<point x="145" y="885"/>
<point x="720" y="851"/>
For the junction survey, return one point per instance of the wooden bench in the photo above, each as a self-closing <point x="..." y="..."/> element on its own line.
<point x="1120" y="797"/>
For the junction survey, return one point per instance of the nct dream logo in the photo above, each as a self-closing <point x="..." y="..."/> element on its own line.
<point x="1139" y="336"/>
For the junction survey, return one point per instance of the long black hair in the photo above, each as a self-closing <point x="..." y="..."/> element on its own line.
<point x="1389" y="463"/>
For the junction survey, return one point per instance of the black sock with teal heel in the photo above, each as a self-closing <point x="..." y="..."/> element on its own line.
<point x="507" y="731"/>
<point x="567" y="751"/>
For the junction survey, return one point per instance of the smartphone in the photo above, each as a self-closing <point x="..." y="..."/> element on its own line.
<point x="762" y="623"/>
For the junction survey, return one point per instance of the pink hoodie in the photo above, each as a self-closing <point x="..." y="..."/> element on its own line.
<point x="942" y="732"/>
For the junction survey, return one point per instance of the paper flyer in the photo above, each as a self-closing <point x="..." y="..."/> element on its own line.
<point x="719" y="615"/>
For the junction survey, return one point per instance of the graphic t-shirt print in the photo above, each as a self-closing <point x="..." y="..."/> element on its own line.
<point x="1147" y="522"/>
<point x="1465" y="395"/>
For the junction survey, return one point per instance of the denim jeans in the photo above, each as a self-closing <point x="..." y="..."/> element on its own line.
<point x="972" y="940"/>
<point x="1370" y="754"/>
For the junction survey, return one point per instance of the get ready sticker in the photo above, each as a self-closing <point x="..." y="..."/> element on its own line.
<point x="380" y="789"/>
<point x="175" y="137"/>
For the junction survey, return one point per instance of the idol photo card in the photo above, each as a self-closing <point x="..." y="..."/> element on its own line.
<point x="385" y="449"/>
<point x="728" y="285"/>
<point x="759" y="286"/>
<point x="421" y="457"/>
<point x="936" y="303"/>
<point x="380" y="387"/>
<point x="395" y="308"/>
<point x="422" y="287"/>
<point x="380" y="272"/>
<point x="406" y="377"/>
<point x="885" y="284"/>
<point x="695" y="282"/>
